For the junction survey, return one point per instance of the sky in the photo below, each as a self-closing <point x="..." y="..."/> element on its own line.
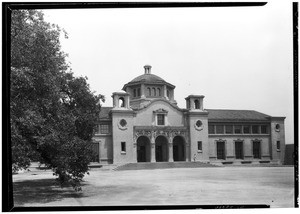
<point x="238" y="58"/>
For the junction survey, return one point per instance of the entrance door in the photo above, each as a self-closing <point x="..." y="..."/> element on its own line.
<point x="221" y="150"/>
<point x="143" y="149"/>
<point x="178" y="148"/>
<point x="141" y="154"/>
<point x="239" y="150"/>
<point x="95" y="148"/>
<point x="161" y="149"/>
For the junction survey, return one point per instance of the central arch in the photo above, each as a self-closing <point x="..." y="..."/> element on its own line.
<point x="143" y="149"/>
<point x="178" y="148"/>
<point x="161" y="149"/>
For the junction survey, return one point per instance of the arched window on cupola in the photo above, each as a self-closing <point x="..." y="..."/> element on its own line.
<point x="158" y="92"/>
<point x="149" y="91"/>
<point x="197" y="104"/>
<point x="121" y="102"/>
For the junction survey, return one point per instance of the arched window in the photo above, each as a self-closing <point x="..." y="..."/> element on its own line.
<point x="197" y="104"/>
<point x="158" y="92"/>
<point x="168" y="93"/>
<point x="121" y="102"/>
<point x="154" y="92"/>
<point x="149" y="91"/>
<point x="139" y="92"/>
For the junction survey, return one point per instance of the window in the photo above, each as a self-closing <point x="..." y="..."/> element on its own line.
<point x="160" y="119"/>
<point x="153" y="92"/>
<point x="158" y="91"/>
<point x="254" y="129"/>
<point x="123" y="146"/>
<point x="263" y="129"/>
<point x="199" y="145"/>
<point x="198" y="123"/>
<point x="277" y="127"/>
<point x="278" y="145"/>
<point x="197" y="104"/>
<point x="220" y="129"/>
<point x="256" y="149"/>
<point x="168" y="93"/>
<point x="237" y="129"/>
<point x="134" y="92"/>
<point x="246" y="129"/>
<point x="211" y="129"/>
<point x="121" y="102"/>
<point x="228" y="129"/>
<point x="138" y="92"/>
<point x="104" y="129"/>
<point x="149" y="91"/>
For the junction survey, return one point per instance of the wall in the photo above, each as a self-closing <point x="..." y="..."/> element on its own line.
<point x="277" y="135"/>
<point x="247" y="145"/>
<point x="198" y="134"/>
<point x="105" y="148"/>
<point x="145" y="117"/>
<point x="123" y="134"/>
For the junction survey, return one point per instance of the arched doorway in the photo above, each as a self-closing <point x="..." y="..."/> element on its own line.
<point x="161" y="149"/>
<point x="178" y="148"/>
<point x="143" y="149"/>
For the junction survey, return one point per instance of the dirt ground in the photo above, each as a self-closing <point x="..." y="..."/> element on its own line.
<point x="273" y="186"/>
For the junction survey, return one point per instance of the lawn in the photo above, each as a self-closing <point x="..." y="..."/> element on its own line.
<point x="273" y="186"/>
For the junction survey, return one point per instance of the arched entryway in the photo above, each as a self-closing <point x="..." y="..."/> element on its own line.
<point x="143" y="149"/>
<point x="161" y="149"/>
<point x="178" y="148"/>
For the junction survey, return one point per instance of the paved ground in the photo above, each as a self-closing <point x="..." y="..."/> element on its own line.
<point x="197" y="186"/>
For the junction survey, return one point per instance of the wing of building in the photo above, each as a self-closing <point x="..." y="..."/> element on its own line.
<point x="146" y="125"/>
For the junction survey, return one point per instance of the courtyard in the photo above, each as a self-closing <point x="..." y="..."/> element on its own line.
<point x="272" y="186"/>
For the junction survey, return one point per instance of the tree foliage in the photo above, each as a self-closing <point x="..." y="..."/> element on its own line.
<point x="53" y="113"/>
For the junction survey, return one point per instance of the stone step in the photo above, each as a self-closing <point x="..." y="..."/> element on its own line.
<point x="163" y="165"/>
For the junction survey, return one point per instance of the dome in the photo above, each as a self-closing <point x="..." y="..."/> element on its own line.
<point x="147" y="78"/>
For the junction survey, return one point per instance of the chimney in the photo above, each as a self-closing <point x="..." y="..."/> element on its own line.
<point x="147" y="69"/>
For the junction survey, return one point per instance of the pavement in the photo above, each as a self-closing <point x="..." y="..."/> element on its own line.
<point x="272" y="186"/>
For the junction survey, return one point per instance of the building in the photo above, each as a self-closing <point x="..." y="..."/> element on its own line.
<point x="146" y="125"/>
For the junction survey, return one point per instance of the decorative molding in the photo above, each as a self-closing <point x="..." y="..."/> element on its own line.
<point x="122" y="125"/>
<point x="160" y="111"/>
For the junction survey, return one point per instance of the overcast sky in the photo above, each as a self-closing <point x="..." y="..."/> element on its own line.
<point x="238" y="58"/>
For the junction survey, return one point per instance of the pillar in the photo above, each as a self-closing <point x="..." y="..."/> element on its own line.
<point x="170" y="150"/>
<point x="187" y="151"/>
<point x="153" y="150"/>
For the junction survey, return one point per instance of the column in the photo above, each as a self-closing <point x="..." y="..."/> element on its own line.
<point x="171" y="150"/>
<point x="143" y="91"/>
<point x="153" y="150"/>
<point x="165" y="91"/>
<point x="187" y="151"/>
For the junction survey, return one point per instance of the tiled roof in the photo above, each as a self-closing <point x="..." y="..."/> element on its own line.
<point x="147" y="78"/>
<point x="104" y="112"/>
<point x="236" y="115"/>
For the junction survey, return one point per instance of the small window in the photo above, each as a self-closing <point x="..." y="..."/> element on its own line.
<point x="278" y="145"/>
<point x="168" y="93"/>
<point x="228" y="129"/>
<point x="134" y="92"/>
<point x="255" y="129"/>
<point x="123" y="146"/>
<point x="263" y="129"/>
<point x="104" y="129"/>
<point x="246" y="129"/>
<point x="197" y="104"/>
<point x="198" y="123"/>
<point x="199" y="145"/>
<point x="153" y="92"/>
<point x="237" y="129"/>
<point x="211" y="129"/>
<point x="138" y="92"/>
<point x="149" y="91"/>
<point x="121" y="102"/>
<point x="160" y="119"/>
<point x="158" y="91"/>
<point x="220" y="129"/>
<point x="277" y="126"/>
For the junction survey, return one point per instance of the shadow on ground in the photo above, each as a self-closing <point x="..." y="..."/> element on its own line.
<point x="42" y="191"/>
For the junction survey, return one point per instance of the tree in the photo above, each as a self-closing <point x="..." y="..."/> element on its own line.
<point x="53" y="113"/>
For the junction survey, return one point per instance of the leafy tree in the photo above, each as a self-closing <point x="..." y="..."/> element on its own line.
<point x="53" y="113"/>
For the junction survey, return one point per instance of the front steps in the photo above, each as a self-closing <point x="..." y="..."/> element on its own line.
<point x="163" y="165"/>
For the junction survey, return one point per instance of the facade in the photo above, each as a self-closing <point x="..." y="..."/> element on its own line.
<point x="146" y="125"/>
